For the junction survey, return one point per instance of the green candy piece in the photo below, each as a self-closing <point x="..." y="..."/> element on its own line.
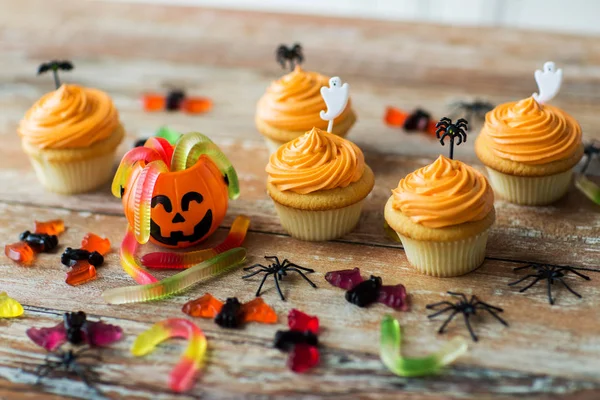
<point x="389" y="352"/>
<point x="589" y="188"/>
<point x="170" y="135"/>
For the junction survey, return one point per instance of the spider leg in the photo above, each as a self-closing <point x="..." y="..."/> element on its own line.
<point x="273" y="257"/>
<point x="502" y="321"/>
<point x="459" y="295"/>
<point x="253" y="273"/>
<point x="278" y="288"/>
<point x="82" y="373"/>
<point x="522" y="279"/>
<point x="536" y="280"/>
<point x="310" y="270"/>
<point x="261" y="284"/>
<point x="434" y="305"/>
<point x="254" y="266"/>
<point x="525" y="266"/>
<point x="550" y="299"/>
<point x="304" y="276"/>
<point x="468" y="323"/>
<point x="587" y="278"/>
<point x="490" y="306"/>
<point x="443" y="327"/>
<point x="568" y="287"/>
<point x="435" y="314"/>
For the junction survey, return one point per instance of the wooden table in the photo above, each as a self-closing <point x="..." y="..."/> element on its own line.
<point x="548" y="351"/>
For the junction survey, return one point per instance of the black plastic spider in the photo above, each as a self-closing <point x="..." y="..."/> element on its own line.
<point x="69" y="361"/>
<point x="55" y="66"/>
<point x="467" y="308"/>
<point x="590" y="150"/>
<point x="278" y="270"/>
<point x="292" y="55"/>
<point x="40" y="242"/>
<point x="551" y="274"/>
<point x="452" y="130"/>
<point x="471" y="110"/>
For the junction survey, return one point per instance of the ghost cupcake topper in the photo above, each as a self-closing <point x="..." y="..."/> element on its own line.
<point x="548" y="82"/>
<point x="336" y="99"/>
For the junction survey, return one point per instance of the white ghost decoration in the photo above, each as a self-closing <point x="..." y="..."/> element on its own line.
<point x="336" y="99"/>
<point x="548" y="82"/>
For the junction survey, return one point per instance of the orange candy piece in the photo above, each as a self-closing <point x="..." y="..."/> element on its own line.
<point x="206" y="306"/>
<point x="259" y="311"/>
<point x="154" y="102"/>
<point x="19" y="252"/>
<point x="53" y="227"/>
<point x="83" y="271"/>
<point x="92" y="242"/>
<point x="197" y="105"/>
<point x="395" y="117"/>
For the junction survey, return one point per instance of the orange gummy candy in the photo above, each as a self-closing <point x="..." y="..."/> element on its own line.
<point x="19" y="252"/>
<point x="196" y="105"/>
<point x="54" y="227"/>
<point x="81" y="273"/>
<point x="395" y="117"/>
<point x="154" y="102"/>
<point x="92" y="242"/>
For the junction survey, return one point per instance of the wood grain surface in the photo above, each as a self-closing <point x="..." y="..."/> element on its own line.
<point x="126" y="49"/>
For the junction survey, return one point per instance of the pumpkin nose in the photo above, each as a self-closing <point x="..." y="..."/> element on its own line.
<point x="178" y="218"/>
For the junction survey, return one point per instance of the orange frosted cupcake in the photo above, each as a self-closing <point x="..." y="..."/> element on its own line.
<point x="292" y="105"/>
<point x="442" y="214"/>
<point x="71" y="135"/>
<point x="318" y="183"/>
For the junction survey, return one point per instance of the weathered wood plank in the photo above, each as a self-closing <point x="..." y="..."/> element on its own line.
<point x="569" y="347"/>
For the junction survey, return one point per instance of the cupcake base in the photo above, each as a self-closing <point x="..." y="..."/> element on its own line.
<point x="319" y="225"/>
<point x="533" y="191"/>
<point x="446" y="259"/>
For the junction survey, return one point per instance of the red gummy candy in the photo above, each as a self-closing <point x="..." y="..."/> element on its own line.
<point x="81" y="273"/>
<point x="299" y="321"/>
<point x="53" y="227"/>
<point x="19" y="252"/>
<point x="303" y="358"/>
<point x="92" y="242"/>
<point x="153" y="102"/>
<point x="196" y="105"/>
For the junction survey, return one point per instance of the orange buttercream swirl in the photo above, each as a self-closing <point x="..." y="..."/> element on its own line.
<point x="294" y="102"/>
<point x="445" y="193"/>
<point x="69" y="117"/>
<point x="315" y="161"/>
<point x="530" y="133"/>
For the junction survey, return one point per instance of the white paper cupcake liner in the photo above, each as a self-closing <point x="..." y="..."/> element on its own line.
<point x="445" y="259"/>
<point x="75" y="176"/>
<point x="319" y="225"/>
<point x="533" y="191"/>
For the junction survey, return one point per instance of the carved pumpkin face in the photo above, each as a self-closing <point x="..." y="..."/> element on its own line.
<point x="187" y="206"/>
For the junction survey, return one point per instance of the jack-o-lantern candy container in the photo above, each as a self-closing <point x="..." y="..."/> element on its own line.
<point x="175" y="196"/>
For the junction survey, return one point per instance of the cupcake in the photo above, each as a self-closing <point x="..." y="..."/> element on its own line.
<point x="292" y="106"/>
<point x="318" y="183"/>
<point x="530" y="147"/>
<point x="442" y="214"/>
<point x="71" y="136"/>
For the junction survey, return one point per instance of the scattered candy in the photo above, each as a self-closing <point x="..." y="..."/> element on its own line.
<point x="19" y="252"/>
<point x="53" y="227"/>
<point x="389" y="352"/>
<point x="9" y="307"/>
<point x="176" y="100"/>
<point x="232" y="313"/>
<point x="183" y="376"/>
<point x="176" y="283"/>
<point x="467" y="308"/>
<point x="278" y="270"/>
<point x="417" y="121"/>
<point x="75" y="329"/>
<point x="39" y="242"/>
<point x="300" y="341"/>
<point x="85" y="260"/>
<point x="363" y="292"/>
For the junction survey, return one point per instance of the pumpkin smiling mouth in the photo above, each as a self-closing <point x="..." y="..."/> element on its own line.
<point x="176" y="237"/>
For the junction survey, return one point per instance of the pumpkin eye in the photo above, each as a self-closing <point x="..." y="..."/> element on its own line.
<point x="188" y="198"/>
<point x="164" y="200"/>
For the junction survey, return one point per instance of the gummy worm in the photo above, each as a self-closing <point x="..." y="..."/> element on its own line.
<point x="182" y="377"/>
<point x="143" y="198"/>
<point x="129" y="262"/>
<point x="178" y="282"/>
<point x="170" y="260"/>
<point x="589" y="188"/>
<point x="189" y="149"/>
<point x="170" y="135"/>
<point x="389" y="352"/>
<point x="129" y="159"/>
<point x="162" y="147"/>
